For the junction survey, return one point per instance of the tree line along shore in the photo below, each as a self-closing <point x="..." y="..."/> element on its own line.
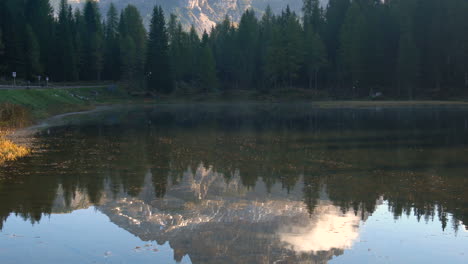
<point x="399" y="49"/>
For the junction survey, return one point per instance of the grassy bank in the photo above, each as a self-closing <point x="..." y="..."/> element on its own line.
<point x="42" y="103"/>
<point x="20" y="108"/>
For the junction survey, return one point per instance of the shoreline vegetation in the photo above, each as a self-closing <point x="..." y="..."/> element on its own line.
<point x="21" y="108"/>
<point x="11" y="117"/>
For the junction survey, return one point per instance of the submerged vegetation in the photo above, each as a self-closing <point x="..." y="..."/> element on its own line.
<point x="346" y="49"/>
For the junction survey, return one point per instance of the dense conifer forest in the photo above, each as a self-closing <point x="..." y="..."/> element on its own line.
<point x="348" y="49"/>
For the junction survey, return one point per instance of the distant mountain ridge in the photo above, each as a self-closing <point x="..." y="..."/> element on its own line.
<point x="203" y="14"/>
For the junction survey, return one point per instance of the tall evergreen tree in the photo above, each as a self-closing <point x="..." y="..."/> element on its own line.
<point x="2" y="53"/>
<point x="408" y="64"/>
<point x="178" y="46"/>
<point x="352" y="49"/>
<point x="335" y="15"/>
<point x="315" y="56"/>
<point x="207" y="79"/>
<point x="193" y="51"/>
<point x="128" y="56"/>
<point x="13" y="25"/>
<point x="32" y="54"/>
<point x="92" y="40"/>
<point x="312" y="15"/>
<point x="111" y="45"/>
<point x="133" y="35"/>
<point x="66" y="68"/>
<point x="158" y="66"/>
<point x="40" y="16"/>
<point x="78" y="33"/>
<point x="224" y="51"/>
<point x="286" y="53"/>
<point x="247" y="47"/>
<point x="265" y="38"/>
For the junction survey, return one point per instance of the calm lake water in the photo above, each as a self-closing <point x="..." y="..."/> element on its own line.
<point x="241" y="184"/>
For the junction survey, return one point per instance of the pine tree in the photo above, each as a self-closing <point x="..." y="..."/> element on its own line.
<point x="286" y="53"/>
<point x="224" y="51"/>
<point x="315" y="56"/>
<point x="2" y="53"/>
<point x="111" y="45"/>
<point x="40" y="16"/>
<point x="247" y="47"/>
<point x="66" y="68"/>
<point x="352" y="49"/>
<point x="78" y="33"/>
<point x="335" y="15"/>
<point x="158" y="66"/>
<point x="207" y="79"/>
<point x="32" y="54"/>
<point x="13" y="29"/>
<point x="312" y="15"/>
<point x="265" y="38"/>
<point x="128" y="57"/>
<point x="92" y="40"/>
<point x="178" y="49"/>
<point x="192" y="58"/>
<point x="133" y="34"/>
<point x="408" y="64"/>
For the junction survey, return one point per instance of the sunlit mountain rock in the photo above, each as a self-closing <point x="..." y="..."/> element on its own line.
<point x="203" y="14"/>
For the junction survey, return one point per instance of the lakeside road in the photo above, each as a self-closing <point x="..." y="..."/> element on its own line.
<point x="10" y="87"/>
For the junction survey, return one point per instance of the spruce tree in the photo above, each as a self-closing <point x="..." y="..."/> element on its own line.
<point x="247" y="47"/>
<point x="207" y="79"/>
<point x="408" y="61"/>
<point x="335" y="15"/>
<point x="111" y="45"/>
<point x="312" y="15"/>
<point x="128" y="58"/>
<point x="158" y="66"/>
<point x="66" y="63"/>
<point x="192" y="58"/>
<point x="266" y="33"/>
<point x="32" y="54"/>
<point x="352" y="49"/>
<point x="315" y="56"/>
<point x="2" y="53"/>
<point x="133" y="34"/>
<point x="177" y="49"/>
<point x="78" y="33"/>
<point x="225" y="52"/>
<point x="92" y="41"/>
<point x="40" y="16"/>
<point x="286" y="52"/>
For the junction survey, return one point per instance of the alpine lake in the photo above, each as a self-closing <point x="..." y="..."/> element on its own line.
<point x="240" y="183"/>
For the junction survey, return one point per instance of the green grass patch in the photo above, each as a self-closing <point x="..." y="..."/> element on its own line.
<point x="45" y="102"/>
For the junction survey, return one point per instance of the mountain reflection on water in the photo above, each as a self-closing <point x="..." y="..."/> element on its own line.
<point x="247" y="184"/>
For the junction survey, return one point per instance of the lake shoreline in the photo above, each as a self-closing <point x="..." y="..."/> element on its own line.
<point x="44" y="105"/>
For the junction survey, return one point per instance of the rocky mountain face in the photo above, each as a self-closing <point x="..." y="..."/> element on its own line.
<point x="203" y="14"/>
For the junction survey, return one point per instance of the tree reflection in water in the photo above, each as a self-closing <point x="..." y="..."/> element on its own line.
<point x="289" y="178"/>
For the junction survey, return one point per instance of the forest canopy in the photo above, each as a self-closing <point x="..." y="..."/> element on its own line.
<point x="401" y="48"/>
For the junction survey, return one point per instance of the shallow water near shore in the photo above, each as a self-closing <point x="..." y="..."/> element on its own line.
<point x="241" y="183"/>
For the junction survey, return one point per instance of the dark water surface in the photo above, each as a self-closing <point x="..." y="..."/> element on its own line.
<point x="241" y="184"/>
